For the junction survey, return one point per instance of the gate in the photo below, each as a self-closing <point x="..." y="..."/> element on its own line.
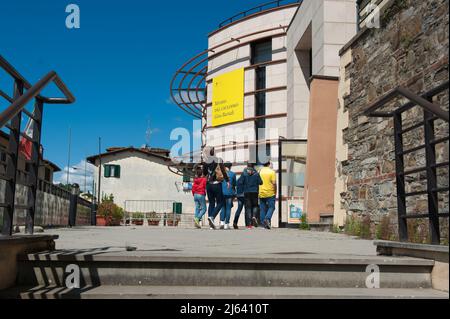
<point x="155" y="213"/>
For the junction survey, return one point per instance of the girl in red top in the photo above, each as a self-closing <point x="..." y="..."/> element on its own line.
<point x="199" y="192"/>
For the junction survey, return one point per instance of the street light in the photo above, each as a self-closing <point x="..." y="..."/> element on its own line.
<point x="85" y="174"/>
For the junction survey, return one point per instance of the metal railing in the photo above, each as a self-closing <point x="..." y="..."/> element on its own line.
<point x="258" y="9"/>
<point x="431" y="113"/>
<point x="11" y="118"/>
<point x="155" y="213"/>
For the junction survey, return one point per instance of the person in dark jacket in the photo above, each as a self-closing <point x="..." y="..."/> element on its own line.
<point x="251" y="182"/>
<point x="229" y="192"/>
<point x="241" y="200"/>
<point x="215" y="172"/>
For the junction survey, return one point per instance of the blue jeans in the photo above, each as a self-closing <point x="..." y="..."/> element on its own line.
<point x="200" y="206"/>
<point x="215" y="198"/>
<point x="225" y="214"/>
<point x="267" y="207"/>
<point x="241" y="204"/>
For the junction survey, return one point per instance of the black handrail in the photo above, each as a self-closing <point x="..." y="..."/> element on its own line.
<point x="260" y="8"/>
<point x="33" y="92"/>
<point x="431" y="112"/>
<point x="11" y="118"/>
<point x="415" y="100"/>
<point x="5" y="65"/>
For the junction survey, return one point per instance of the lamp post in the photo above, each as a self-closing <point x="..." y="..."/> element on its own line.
<point x="85" y="170"/>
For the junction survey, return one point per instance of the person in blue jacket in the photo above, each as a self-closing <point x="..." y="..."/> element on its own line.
<point x="241" y="200"/>
<point x="229" y="192"/>
<point x="251" y="182"/>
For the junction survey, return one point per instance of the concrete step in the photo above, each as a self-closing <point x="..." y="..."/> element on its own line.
<point x="321" y="227"/>
<point x="214" y="292"/>
<point x="141" y="269"/>
<point x="327" y="218"/>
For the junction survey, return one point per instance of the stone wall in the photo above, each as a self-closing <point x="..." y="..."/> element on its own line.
<point x="410" y="49"/>
<point x="52" y="209"/>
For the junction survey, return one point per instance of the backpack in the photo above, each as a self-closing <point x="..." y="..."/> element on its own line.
<point x="219" y="174"/>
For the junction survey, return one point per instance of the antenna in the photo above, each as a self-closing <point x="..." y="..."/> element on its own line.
<point x="148" y="135"/>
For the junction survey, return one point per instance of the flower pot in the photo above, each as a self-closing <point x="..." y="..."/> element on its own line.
<point x="101" y="221"/>
<point x="114" y="222"/>
<point x="152" y="222"/>
<point x="172" y="223"/>
<point x="138" y="222"/>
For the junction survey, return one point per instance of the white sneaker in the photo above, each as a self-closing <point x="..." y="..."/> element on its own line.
<point x="227" y="226"/>
<point x="222" y="225"/>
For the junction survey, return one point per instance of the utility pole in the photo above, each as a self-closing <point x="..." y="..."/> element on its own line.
<point x="99" y="169"/>
<point x="68" y="156"/>
<point x="85" y="176"/>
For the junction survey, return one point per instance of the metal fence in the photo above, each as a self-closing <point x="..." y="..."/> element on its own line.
<point x="155" y="213"/>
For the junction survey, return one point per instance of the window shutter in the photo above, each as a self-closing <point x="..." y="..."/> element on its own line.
<point x="117" y="171"/>
<point x="107" y="170"/>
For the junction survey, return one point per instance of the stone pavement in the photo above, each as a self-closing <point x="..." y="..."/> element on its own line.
<point x="205" y="242"/>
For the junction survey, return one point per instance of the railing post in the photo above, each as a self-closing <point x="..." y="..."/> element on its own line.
<point x="430" y="153"/>
<point x="34" y="170"/>
<point x="11" y="166"/>
<point x="74" y="193"/>
<point x="400" y="177"/>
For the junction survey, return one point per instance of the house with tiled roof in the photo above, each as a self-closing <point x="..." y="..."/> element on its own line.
<point x="140" y="179"/>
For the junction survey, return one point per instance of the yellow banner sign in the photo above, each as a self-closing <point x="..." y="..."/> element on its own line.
<point x="228" y="98"/>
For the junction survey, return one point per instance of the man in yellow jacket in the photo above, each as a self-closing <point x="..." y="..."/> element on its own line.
<point x="267" y="194"/>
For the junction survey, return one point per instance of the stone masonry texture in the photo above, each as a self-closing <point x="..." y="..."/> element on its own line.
<point x="410" y="50"/>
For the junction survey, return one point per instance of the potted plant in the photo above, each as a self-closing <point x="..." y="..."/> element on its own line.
<point x="173" y="221"/>
<point x="138" y="219"/>
<point x="116" y="216"/>
<point x="109" y="214"/>
<point x="153" y="219"/>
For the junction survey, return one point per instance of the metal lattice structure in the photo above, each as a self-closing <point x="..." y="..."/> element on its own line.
<point x="11" y="118"/>
<point x="188" y="86"/>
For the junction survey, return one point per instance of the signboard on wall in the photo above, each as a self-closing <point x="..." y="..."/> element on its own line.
<point x="295" y="210"/>
<point x="228" y="98"/>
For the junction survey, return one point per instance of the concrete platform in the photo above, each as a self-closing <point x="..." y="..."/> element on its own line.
<point x="12" y="246"/>
<point x="191" y="242"/>
<point x="188" y="292"/>
<point x="178" y="263"/>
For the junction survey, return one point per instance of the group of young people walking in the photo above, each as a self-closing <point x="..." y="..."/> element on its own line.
<point x="253" y="191"/>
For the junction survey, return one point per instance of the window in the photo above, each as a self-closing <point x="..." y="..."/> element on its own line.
<point x="47" y="174"/>
<point x="112" y="171"/>
<point x="261" y="52"/>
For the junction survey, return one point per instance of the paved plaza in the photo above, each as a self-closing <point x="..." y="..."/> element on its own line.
<point x="205" y="242"/>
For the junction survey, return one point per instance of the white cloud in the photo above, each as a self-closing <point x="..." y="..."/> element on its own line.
<point x="77" y="175"/>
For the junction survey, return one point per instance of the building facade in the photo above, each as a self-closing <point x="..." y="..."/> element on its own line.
<point x="46" y="171"/>
<point x="139" y="180"/>
<point x="289" y="56"/>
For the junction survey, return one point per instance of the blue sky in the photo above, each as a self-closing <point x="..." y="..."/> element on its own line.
<point x="118" y="65"/>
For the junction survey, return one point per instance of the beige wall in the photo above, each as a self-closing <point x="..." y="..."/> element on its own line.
<point x="319" y="179"/>
<point x="324" y="26"/>
<point x="276" y="101"/>
<point x="143" y="178"/>
<point x="341" y="148"/>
